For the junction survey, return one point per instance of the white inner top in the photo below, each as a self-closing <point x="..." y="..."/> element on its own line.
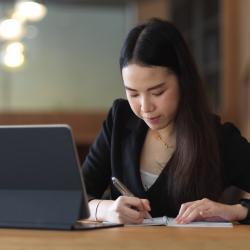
<point x="148" y="179"/>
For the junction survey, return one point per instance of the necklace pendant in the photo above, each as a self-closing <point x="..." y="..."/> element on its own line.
<point x="160" y="165"/>
<point x="165" y="143"/>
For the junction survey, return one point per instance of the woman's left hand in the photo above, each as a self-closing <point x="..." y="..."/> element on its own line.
<point x="208" y="210"/>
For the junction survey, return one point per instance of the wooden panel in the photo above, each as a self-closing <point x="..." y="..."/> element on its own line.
<point x="244" y="67"/>
<point x="230" y="51"/>
<point x="85" y="125"/>
<point x="147" y="9"/>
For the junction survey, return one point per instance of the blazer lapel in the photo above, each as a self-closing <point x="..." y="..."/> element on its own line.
<point x="132" y="146"/>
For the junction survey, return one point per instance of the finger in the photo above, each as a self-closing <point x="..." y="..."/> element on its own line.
<point x="133" y="213"/>
<point x="130" y="201"/>
<point x="192" y="216"/>
<point x="131" y="207"/>
<point x="146" y="205"/>
<point x="135" y="203"/>
<point x="147" y="208"/>
<point x="128" y="220"/>
<point x="201" y="210"/>
<point x="193" y="212"/>
<point x="183" y="209"/>
<point x="133" y="216"/>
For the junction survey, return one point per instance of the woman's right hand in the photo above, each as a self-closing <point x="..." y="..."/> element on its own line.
<point x="125" y="209"/>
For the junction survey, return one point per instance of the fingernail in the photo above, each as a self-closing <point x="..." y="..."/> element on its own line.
<point x="178" y="220"/>
<point x="182" y="220"/>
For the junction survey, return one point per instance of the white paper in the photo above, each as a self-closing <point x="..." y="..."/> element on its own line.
<point x="170" y="222"/>
<point x="157" y="221"/>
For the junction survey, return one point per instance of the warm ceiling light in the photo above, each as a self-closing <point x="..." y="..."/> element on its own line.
<point x="11" y="29"/>
<point x="30" y="10"/>
<point x="15" y="47"/>
<point x="13" y="57"/>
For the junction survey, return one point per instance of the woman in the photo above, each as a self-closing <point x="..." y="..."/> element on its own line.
<point x="163" y="143"/>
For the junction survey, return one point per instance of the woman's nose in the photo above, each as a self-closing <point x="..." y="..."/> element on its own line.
<point x="146" y="105"/>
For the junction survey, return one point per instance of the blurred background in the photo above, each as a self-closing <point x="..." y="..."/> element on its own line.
<point x="59" y="58"/>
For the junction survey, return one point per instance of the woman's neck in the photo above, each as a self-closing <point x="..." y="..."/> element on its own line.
<point x="167" y="133"/>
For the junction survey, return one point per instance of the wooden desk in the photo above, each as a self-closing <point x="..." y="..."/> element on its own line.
<point x="127" y="238"/>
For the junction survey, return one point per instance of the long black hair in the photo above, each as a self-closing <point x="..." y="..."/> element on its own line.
<point x="195" y="168"/>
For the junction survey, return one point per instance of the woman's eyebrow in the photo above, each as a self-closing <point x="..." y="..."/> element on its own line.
<point x="156" y="86"/>
<point x="128" y="88"/>
<point x="149" y="89"/>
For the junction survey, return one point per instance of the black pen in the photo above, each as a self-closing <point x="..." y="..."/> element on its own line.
<point x="124" y="191"/>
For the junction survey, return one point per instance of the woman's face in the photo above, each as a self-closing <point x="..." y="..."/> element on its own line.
<point x="153" y="94"/>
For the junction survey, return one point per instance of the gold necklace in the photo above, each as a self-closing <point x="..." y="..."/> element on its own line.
<point x="160" y="165"/>
<point x="165" y="143"/>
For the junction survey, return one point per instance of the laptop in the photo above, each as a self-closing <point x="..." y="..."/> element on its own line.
<point x="40" y="181"/>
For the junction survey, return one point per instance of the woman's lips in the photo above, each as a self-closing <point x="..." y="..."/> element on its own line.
<point x="152" y="119"/>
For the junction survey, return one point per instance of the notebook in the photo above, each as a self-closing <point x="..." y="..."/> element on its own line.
<point x="170" y="222"/>
<point x="40" y="181"/>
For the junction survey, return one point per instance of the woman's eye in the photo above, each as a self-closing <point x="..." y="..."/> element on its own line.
<point x="133" y="95"/>
<point x="158" y="93"/>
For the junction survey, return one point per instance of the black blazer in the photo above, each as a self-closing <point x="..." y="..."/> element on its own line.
<point x="116" y="152"/>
